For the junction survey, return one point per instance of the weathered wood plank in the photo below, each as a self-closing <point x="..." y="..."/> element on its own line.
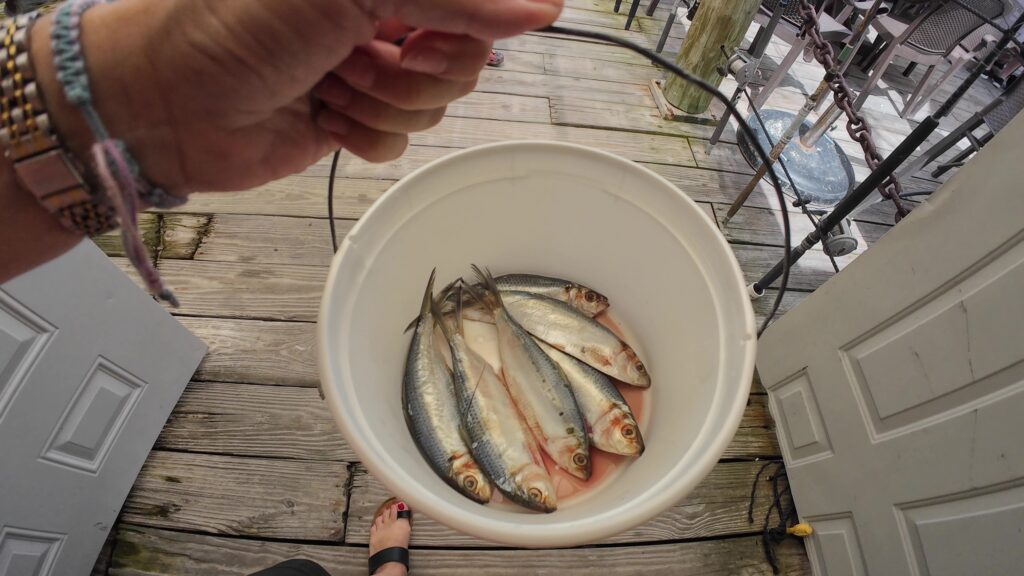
<point x="254" y="420"/>
<point x="583" y="67"/>
<point x="270" y="240"/>
<point x="764" y="304"/>
<point x="241" y="290"/>
<point x="568" y="47"/>
<point x="871" y="233"/>
<point x="149" y="233"/>
<point x="624" y="117"/>
<point x="355" y="167"/>
<point x="634" y="35"/>
<point x="297" y="195"/>
<point x="250" y="428"/>
<point x="181" y="234"/>
<point x="722" y="156"/>
<point x="524" y="62"/>
<point x="608" y="19"/>
<point x="240" y="496"/>
<point x="717" y="507"/>
<point x="810" y="272"/>
<point x="144" y="551"/>
<point x="763" y="226"/>
<point x="503" y="106"/>
<point x="755" y="437"/>
<point x="256" y="352"/>
<point x="719" y="187"/>
<point x="164" y="235"/>
<point x="542" y="85"/>
<point x="465" y="132"/>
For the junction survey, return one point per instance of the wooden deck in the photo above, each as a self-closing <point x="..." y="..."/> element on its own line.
<point x="250" y="470"/>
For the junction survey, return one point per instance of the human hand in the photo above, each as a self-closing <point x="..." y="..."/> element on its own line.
<point x="216" y="95"/>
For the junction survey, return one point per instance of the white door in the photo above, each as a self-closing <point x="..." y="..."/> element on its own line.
<point x="90" y="367"/>
<point x="898" y="387"/>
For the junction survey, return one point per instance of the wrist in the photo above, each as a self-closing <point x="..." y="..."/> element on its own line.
<point x="116" y="49"/>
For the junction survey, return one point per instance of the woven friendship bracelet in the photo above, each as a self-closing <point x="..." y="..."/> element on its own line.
<point x="115" y="168"/>
<point x="70" y="64"/>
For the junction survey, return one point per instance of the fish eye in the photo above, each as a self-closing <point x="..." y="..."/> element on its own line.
<point x="469" y="483"/>
<point x="628" y="432"/>
<point x="580" y="459"/>
<point x="591" y="296"/>
<point x="640" y="367"/>
<point x="536" y="494"/>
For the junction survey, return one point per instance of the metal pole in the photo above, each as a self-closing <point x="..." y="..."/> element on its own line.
<point x="852" y="200"/>
<point x="812" y="102"/>
<point x="776" y="151"/>
<point x="757" y="51"/>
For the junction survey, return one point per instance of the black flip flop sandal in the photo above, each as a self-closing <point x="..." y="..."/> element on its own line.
<point x="394" y="553"/>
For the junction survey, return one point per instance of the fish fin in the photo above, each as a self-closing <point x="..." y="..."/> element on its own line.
<point x="435" y="309"/>
<point x="478" y="294"/>
<point x="412" y="324"/>
<point x="491" y="296"/>
<point x="428" y="298"/>
<point x="428" y="294"/>
<point x="458" y="309"/>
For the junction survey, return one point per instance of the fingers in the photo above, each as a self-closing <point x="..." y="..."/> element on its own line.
<point x="375" y="70"/>
<point x="369" y="144"/>
<point x="373" y="113"/>
<point x="486" y="20"/>
<point x="445" y="55"/>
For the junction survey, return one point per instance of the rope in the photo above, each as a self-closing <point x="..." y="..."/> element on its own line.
<point x="117" y="170"/>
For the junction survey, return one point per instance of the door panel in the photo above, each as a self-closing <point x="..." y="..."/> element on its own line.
<point x="898" y="387"/>
<point x="90" y="368"/>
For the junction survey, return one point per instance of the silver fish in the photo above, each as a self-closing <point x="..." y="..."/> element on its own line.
<point x="497" y="436"/>
<point x="610" y="421"/>
<point x="584" y="299"/>
<point x="431" y="410"/>
<point x="580" y="297"/>
<point x="539" y="388"/>
<point x="578" y="335"/>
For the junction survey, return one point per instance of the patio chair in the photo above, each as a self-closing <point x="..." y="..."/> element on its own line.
<point x="788" y="31"/>
<point x="930" y="39"/>
<point x="994" y="116"/>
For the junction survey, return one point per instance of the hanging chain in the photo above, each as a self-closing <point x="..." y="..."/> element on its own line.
<point x="856" y="126"/>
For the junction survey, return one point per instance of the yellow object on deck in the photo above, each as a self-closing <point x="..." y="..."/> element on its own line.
<point x="802" y="530"/>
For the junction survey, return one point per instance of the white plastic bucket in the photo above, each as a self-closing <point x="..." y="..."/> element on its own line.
<point x="561" y="210"/>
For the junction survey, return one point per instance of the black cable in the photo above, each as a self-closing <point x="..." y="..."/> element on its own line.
<point x="330" y="198"/>
<point x="718" y="95"/>
<point x="700" y="83"/>
<point x="792" y="183"/>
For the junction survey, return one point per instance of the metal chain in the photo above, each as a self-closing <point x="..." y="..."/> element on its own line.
<point x="856" y="126"/>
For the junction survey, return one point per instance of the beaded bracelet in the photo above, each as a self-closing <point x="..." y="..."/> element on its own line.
<point x="115" y="166"/>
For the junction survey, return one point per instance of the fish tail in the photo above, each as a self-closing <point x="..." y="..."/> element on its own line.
<point x="428" y="301"/>
<point x="442" y="322"/>
<point x="490" y="297"/>
<point x="428" y="295"/>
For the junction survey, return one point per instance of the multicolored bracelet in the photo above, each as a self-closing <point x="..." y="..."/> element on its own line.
<point x="40" y="161"/>
<point x="116" y="169"/>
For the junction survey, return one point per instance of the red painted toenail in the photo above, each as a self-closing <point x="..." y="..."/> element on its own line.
<point x="401" y="505"/>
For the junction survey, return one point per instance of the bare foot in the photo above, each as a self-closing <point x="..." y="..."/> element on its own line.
<point x="388" y="530"/>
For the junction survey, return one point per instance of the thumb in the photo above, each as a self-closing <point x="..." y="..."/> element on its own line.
<point x="483" y="19"/>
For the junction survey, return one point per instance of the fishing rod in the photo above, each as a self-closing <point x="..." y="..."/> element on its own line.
<point x="888" y="166"/>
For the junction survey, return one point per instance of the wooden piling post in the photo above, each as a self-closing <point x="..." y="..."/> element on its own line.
<point x="718" y="23"/>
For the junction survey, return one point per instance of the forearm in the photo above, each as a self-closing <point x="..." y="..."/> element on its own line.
<point x="29" y="235"/>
